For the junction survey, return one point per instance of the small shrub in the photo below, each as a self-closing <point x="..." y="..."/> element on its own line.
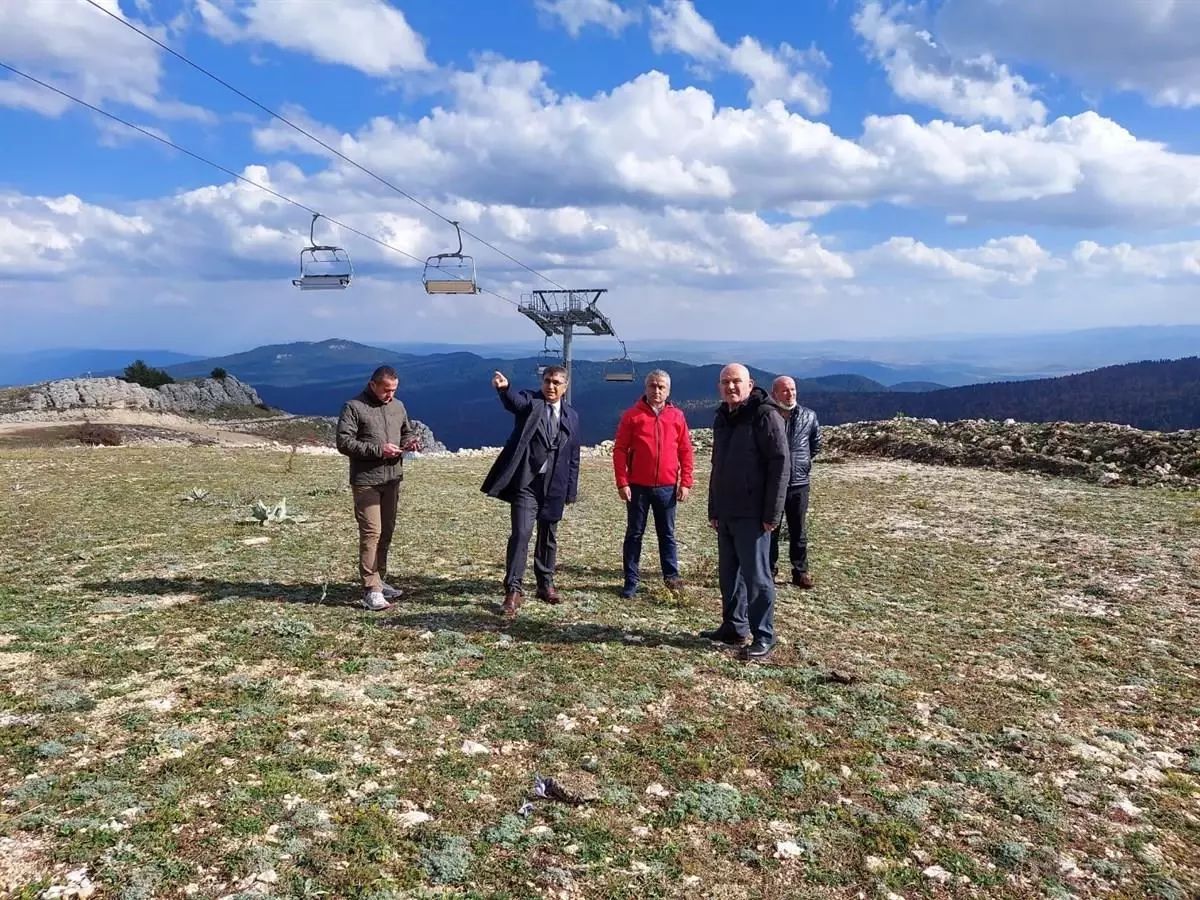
<point x="98" y="435"/>
<point x="219" y="374"/>
<point x="448" y="862"/>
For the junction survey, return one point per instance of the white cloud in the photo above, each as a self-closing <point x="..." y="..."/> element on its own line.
<point x="84" y="52"/>
<point x="976" y="89"/>
<point x="369" y="35"/>
<point x="1014" y="260"/>
<point x="779" y="74"/>
<point x="576" y="15"/>
<point x="1148" y="46"/>
<point x="508" y="139"/>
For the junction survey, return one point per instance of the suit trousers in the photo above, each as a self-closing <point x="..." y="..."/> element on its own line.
<point x="525" y="509"/>
<point x="375" y="511"/>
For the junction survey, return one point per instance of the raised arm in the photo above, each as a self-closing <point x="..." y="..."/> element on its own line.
<point x="516" y="402"/>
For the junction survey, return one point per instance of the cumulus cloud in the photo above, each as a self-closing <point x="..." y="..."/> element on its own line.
<point x="973" y="89"/>
<point x="1147" y="46"/>
<point x="576" y="15"/>
<point x="83" y="51"/>
<point x="781" y="74"/>
<point x="508" y="138"/>
<point x="369" y="35"/>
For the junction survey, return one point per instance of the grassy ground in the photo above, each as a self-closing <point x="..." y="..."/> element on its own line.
<point x="993" y="691"/>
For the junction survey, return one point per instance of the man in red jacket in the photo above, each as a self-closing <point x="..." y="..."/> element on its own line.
<point x="652" y="460"/>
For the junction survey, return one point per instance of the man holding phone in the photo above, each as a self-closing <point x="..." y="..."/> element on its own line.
<point x="375" y="432"/>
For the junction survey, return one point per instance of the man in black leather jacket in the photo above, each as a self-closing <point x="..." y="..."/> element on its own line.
<point x="804" y="442"/>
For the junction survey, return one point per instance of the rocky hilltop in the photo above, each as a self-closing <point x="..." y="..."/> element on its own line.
<point x="200" y="396"/>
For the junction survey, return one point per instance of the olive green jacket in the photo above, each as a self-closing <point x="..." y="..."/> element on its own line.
<point x="364" y="426"/>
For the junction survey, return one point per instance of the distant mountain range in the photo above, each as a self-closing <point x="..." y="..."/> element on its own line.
<point x="30" y="367"/>
<point x="451" y="392"/>
<point x="943" y="361"/>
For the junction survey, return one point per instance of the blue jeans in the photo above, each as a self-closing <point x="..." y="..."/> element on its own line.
<point x="643" y="500"/>
<point x="744" y="571"/>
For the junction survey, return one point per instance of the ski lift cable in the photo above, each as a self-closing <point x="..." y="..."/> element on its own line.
<point x="316" y="139"/>
<point x="227" y="171"/>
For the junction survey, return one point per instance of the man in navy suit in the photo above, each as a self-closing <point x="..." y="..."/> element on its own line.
<point x="537" y="474"/>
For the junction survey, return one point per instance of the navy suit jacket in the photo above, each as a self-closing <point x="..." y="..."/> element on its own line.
<point x="562" y="482"/>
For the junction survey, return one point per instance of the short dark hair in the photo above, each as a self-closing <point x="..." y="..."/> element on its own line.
<point x="384" y="372"/>
<point x="556" y="370"/>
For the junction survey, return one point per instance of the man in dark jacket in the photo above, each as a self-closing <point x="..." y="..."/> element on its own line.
<point x="374" y="431"/>
<point x="537" y="474"/>
<point x="804" y="442"/>
<point x="746" y="489"/>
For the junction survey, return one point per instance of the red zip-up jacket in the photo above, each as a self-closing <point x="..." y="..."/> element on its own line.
<point x="653" y="450"/>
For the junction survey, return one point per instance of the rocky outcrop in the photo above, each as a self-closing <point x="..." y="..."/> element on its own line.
<point x="429" y="444"/>
<point x="200" y="396"/>
<point x="1095" y="451"/>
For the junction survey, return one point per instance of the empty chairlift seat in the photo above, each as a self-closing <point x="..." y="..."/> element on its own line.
<point x="450" y="273"/>
<point x="323" y="267"/>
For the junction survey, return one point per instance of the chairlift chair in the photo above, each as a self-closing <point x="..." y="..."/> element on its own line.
<point x="450" y="273"/>
<point x="322" y="267"/>
<point x="619" y="368"/>
<point x="546" y="359"/>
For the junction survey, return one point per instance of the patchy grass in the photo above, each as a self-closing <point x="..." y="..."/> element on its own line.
<point x="991" y="692"/>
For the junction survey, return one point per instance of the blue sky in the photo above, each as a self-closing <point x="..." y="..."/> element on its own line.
<point x="822" y="169"/>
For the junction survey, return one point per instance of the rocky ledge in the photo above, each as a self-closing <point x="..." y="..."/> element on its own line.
<point x="1095" y="451"/>
<point x="200" y="396"/>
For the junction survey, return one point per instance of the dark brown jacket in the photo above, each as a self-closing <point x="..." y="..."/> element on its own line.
<point x="364" y="426"/>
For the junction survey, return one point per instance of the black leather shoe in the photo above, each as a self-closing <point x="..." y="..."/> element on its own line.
<point x="726" y="637"/>
<point x="757" y="650"/>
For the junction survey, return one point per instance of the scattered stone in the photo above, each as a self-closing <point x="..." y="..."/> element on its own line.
<point x="474" y="748"/>
<point x="413" y="818"/>
<point x="936" y="873"/>
<point x="788" y="850"/>
<point x="657" y="790"/>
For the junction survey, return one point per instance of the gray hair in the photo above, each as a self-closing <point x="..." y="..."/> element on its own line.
<point x="657" y="373"/>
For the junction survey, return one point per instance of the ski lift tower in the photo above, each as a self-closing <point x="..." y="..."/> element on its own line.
<point x="561" y="312"/>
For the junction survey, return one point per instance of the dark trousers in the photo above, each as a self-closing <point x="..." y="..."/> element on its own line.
<point x="795" y="512"/>
<point x="525" y="509"/>
<point x="744" y="571"/>
<point x="643" y="500"/>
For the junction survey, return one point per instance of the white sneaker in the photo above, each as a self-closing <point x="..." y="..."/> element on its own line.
<point x="373" y="600"/>
<point x="389" y="592"/>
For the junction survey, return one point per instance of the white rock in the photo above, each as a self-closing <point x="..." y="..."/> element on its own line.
<point x="474" y="748"/>
<point x="876" y="863"/>
<point x="413" y="818"/>
<point x="657" y="790"/>
<point x="788" y="850"/>
<point x="937" y="873"/>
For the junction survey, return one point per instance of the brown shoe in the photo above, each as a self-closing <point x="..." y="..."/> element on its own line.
<point x="549" y="595"/>
<point x="803" y="580"/>
<point x="512" y="602"/>
<point x="674" y="584"/>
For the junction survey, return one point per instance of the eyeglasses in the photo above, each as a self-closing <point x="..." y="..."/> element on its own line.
<point x="553" y="381"/>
